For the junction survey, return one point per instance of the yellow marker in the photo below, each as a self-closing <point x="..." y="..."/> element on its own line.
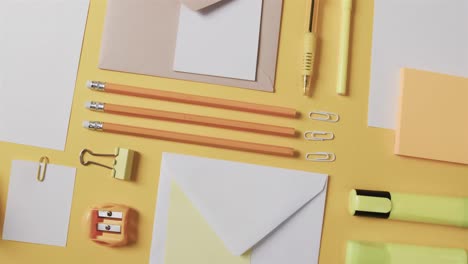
<point x="310" y="45"/>
<point x="359" y="252"/>
<point x="344" y="47"/>
<point x="437" y="210"/>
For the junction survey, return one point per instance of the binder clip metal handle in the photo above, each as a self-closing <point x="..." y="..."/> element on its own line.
<point x="123" y="162"/>
<point x="87" y="163"/>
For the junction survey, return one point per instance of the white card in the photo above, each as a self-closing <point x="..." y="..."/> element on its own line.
<point x="39" y="212"/>
<point x="220" y="40"/>
<point x="429" y="35"/>
<point x="40" y="47"/>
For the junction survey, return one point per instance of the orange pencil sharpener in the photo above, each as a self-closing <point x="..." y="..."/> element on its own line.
<point x="112" y="225"/>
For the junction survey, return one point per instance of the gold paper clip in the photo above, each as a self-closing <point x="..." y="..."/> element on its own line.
<point x="321" y="157"/>
<point x="318" y="135"/>
<point x="324" y="116"/>
<point x="42" y="169"/>
<point x="123" y="162"/>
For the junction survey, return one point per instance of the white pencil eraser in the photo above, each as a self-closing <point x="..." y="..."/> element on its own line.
<point x="86" y="124"/>
<point x="89" y="84"/>
<point x="88" y="105"/>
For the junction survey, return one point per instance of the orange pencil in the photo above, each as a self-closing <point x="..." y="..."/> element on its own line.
<point x="191" y="119"/>
<point x="191" y="139"/>
<point x="192" y="99"/>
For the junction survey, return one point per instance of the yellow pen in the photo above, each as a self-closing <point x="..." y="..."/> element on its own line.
<point x="344" y="47"/>
<point x="310" y="45"/>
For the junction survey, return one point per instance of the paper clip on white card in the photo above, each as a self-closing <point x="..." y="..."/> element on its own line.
<point x="42" y="170"/>
<point x="37" y="191"/>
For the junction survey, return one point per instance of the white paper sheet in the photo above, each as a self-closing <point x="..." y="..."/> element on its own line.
<point x="40" y="46"/>
<point x="39" y="212"/>
<point x="301" y="231"/>
<point x="428" y="35"/>
<point x="220" y="40"/>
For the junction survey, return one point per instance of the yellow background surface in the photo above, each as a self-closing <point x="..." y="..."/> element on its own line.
<point x="365" y="156"/>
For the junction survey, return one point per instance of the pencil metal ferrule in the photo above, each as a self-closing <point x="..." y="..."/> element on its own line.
<point x="97" y="106"/>
<point x="95" y="125"/>
<point x="375" y="204"/>
<point x="96" y="85"/>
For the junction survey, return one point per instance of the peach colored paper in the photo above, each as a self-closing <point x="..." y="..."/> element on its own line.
<point x="433" y="118"/>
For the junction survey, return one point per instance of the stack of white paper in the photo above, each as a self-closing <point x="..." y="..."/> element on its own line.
<point x="40" y="47"/>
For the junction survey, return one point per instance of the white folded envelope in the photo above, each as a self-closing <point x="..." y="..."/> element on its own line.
<point x="276" y="213"/>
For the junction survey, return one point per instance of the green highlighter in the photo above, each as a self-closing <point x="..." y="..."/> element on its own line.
<point x="381" y="253"/>
<point x="439" y="210"/>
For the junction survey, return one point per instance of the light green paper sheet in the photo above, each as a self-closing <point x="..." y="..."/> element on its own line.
<point x="189" y="237"/>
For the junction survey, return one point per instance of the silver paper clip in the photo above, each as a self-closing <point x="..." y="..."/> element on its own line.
<point x="318" y="135"/>
<point x="324" y="116"/>
<point x="321" y="157"/>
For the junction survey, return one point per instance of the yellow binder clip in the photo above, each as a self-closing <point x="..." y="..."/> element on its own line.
<point x="123" y="162"/>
